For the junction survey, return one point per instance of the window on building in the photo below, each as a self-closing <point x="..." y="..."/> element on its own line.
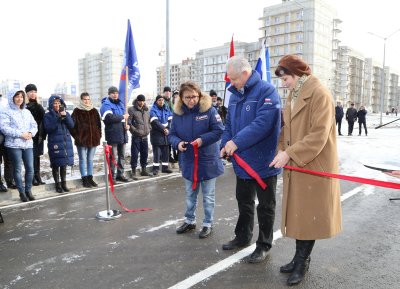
<point x="276" y="20"/>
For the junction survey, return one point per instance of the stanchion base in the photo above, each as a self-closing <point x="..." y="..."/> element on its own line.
<point x="108" y="215"/>
<point x="394" y="199"/>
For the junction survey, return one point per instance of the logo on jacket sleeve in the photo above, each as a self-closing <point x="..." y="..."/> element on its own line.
<point x="267" y="101"/>
<point x="218" y="117"/>
<point x="201" y="117"/>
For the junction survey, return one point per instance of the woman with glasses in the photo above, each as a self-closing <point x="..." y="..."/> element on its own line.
<point x="197" y="127"/>
<point x="19" y="126"/>
<point x="87" y="135"/>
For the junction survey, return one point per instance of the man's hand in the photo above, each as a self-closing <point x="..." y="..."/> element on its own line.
<point x="280" y="160"/>
<point x="394" y="174"/>
<point x="182" y="146"/>
<point x="230" y="148"/>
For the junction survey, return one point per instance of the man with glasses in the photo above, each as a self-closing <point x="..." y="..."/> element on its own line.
<point x="251" y="131"/>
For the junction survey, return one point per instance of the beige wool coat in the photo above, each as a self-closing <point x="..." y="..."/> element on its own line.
<point x="311" y="207"/>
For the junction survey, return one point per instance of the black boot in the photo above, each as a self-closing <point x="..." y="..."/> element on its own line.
<point x="3" y="189"/>
<point x="63" y="174"/>
<point x="56" y="177"/>
<point x="23" y="197"/>
<point x="85" y="182"/>
<point x="30" y="196"/>
<point x="165" y="169"/>
<point x="133" y="174"/>
<point x="155" y="170"/>
<point x="35" y="181"/>
<point x="289" y="267"/>
<point x="301" y="263"/>
<point x="11" y="184"/>
<point x="144" y="172"/>
<point x="39" y="179"/>
<point x="91" y="182"/>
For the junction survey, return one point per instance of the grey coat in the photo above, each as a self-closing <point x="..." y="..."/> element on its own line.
<point x="139" y="120"/>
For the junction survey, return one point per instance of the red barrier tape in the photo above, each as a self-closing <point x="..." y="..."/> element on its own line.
<point x="249" y="170"/>
<point x="107" y="151"/>
<point x="196" y="164"/>
<point x="348" y="178"/>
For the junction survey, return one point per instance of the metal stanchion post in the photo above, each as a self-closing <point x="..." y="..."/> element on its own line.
<point x="108" y="214"/>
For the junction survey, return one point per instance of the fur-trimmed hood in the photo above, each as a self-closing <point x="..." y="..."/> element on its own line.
<point x="205" y="104"/>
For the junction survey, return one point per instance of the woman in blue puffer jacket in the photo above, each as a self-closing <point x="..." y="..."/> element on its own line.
<point x="197" y="122"/>
<point x="18" y="126"/>
<point x="57" y="123"/>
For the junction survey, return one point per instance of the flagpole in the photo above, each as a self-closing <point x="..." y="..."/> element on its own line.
<point x="126" y="88"/>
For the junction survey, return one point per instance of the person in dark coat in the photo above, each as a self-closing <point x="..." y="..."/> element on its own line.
<point x="361" y="115"/>
<point x="57" y="123"/>
<point x="160" y="119"/>
<point x="339" y="113"/>
<point x="251" y="131"/>
<point x="87" y="135"/>
<point x="139" y="126"/>
<point x="351" y="117"/>
<point x="38" y="112"/>
<point x="116" y="126"/>
<point x="196" y="120"/>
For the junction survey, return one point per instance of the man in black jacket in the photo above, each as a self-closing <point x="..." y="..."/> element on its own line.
<point x="351" y="117"/>
<point x="361" y="115"/>
<point x="339" y="116"/>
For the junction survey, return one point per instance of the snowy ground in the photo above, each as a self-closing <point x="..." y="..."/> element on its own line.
<point x="381" y="146"/>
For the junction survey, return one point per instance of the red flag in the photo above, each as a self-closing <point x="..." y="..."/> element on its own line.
<point x="231" y="53"/>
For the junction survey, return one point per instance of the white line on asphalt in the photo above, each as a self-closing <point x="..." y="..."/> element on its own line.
<point x="235" y="258"/>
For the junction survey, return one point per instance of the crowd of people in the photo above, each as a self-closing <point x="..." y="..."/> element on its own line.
<point x="261" y="138"/>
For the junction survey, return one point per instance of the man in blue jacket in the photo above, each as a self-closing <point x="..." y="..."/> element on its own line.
<point x="251" y="131"/>
<point x="116" y="125"/>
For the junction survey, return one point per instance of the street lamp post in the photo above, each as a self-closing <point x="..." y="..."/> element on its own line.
<point x="383" y="68"/>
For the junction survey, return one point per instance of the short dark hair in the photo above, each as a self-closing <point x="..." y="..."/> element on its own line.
<point x="84" y="94"/>
<point x="23" y="94"/>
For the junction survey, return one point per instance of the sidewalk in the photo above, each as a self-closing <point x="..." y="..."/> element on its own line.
<point x="74" y="183"/>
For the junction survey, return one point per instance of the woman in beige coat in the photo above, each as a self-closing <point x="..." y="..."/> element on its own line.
<point x="311" y="206"/>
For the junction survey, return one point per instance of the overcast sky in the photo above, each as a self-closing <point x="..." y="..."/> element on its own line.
<point x="41" y="41"/>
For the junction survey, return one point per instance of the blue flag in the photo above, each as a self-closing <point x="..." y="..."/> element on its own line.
<point x="263" y="66"/>
<point x="130" y="60"/>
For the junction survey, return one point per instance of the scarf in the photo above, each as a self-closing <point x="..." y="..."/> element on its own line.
<point x="83" y="106"/>
<point x="297" y="88"/>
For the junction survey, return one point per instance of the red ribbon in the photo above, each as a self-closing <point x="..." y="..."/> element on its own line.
<point x="195" y="164"/>
<point x="107" y="151"/>
<point x="250" y="171"/>
<point x="348" y="178"/>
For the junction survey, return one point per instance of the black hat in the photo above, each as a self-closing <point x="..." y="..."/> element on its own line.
<point x="30" y="87"/>
<point x="213" y="93"/>
<point x="158" y="97"/>
<point x="112" y="89"/>
<point x="167" y="88"/>
<point x="140" y="97"/>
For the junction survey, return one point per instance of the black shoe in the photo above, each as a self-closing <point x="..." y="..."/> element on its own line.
<point x="172" y="160"/>
<point x="64" y="186"/>
<point x="85" y="182"/>
<point x="11" y="185"/>
<point x="167" y="171"/>
<point x="39" y="179"/>
<point x="144" y="172"/>
<point x="185" y="228"/>
<point x="91" y="182"/>
<point x="30" y="196"/>
<point x="235" y="244"/>
<point x="35" y="181"/>
<point x="58" y="188"/>
<point x="155" y="172"/>
<point x="258" y="255"/>
<point x="133" y="175"/>
<point x="122" y="179"/>
<point x="3" y="189"/>
<point x="23" y="197"/>
<point x="205" y="232"/>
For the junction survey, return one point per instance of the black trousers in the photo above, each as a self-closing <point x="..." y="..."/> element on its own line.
<point x="7" y="164"/>
<point x="160" y="152"/>
<point x="351" y="125"/>
<point x="246" y="191"/>
<point x="365" y="127"/>
<point x="339" y="125"/>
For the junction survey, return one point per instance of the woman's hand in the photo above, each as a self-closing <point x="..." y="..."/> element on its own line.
<point x="280" y="160"/>
<point x="26" y="135"/>
<point x="182" y="146"/>
<point x="394" y="174"/>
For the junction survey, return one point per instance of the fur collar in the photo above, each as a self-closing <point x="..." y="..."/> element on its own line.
<point x="205" y="104"/>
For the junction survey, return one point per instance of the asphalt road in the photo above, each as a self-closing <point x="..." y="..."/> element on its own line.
<point x="59" y="243"/>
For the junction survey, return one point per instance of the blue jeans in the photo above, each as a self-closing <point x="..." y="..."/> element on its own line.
<point x="208" y="189"/>
<point x="25" y="155"/>
<point x="86" y="155"/>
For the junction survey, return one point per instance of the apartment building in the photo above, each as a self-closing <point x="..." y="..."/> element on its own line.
<point x="99" y="71"/>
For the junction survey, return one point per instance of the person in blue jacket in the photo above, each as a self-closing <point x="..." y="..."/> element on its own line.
<point x="57" y="122"/>
<point x="252" y="130"/>
<point x="196" y="120"/>
<point x="115" y="120"/>
<point x="160" y="120"/>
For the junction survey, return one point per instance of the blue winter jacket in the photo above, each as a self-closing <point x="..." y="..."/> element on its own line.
<point x="112" y="113"/>
<point x="14" y="121"/>
<point x="202" y="121"/>
<point x="59" y="142"/>
<point x="253" y="123"/>
<point x="160" y="118"/>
